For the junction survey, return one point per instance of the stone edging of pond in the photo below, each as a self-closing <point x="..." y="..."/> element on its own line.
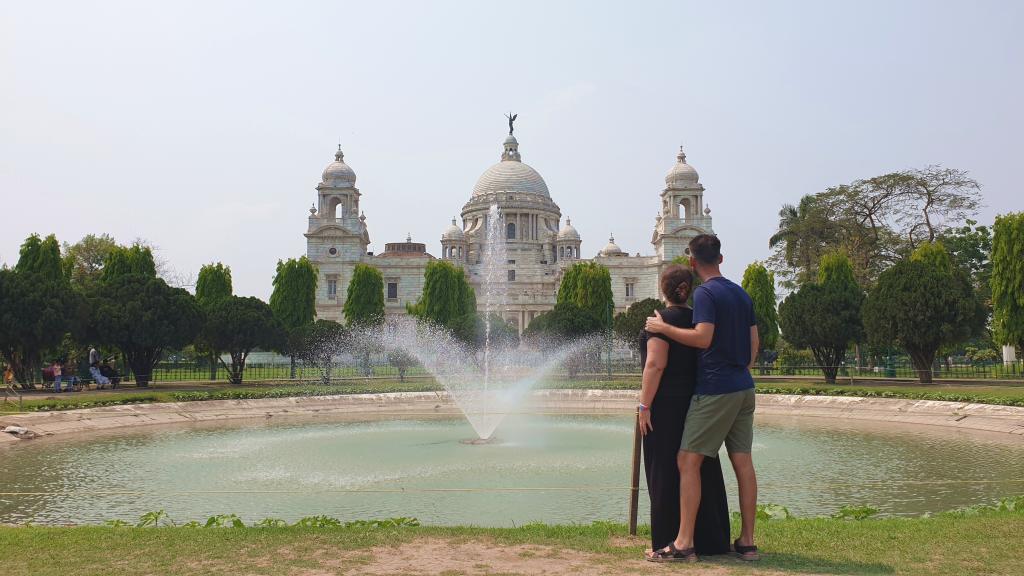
<point x="958" y="415"/>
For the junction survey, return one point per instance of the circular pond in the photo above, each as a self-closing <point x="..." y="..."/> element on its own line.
<point x="550" y="469"/>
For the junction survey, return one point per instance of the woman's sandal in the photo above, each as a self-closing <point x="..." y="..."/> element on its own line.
<point x="672" y="554"/>
<point x="748" y="553"/>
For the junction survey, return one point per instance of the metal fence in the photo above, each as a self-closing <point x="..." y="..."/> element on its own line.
<point x="620" y="365"/>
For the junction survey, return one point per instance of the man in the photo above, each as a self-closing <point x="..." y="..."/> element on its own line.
<point x="94" y="370"/>
<point x="722" y="409"/>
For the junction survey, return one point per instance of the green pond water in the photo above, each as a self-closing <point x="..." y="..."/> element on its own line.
<point x="297" y="468"/>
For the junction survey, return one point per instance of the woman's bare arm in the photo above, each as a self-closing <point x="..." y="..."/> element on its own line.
<point x="657" y="359"/>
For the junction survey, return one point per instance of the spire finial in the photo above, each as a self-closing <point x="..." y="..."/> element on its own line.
<point x="339" y="155"/>
<point x="408" y="237"/>
<point x="682" y="155"/>
<point x="453" y="220"/>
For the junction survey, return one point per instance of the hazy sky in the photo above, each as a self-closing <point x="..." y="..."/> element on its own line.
<point x="203" y="127"/>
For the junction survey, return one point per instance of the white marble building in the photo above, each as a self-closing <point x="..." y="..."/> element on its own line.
<point x="540" y="245"/>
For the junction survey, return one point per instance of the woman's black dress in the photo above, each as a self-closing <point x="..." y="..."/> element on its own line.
<point x="661" y="447"/>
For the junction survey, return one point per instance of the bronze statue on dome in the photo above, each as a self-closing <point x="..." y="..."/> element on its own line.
<point x="511" y="118"/>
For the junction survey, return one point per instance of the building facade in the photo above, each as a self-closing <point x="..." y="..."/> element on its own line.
<point x="540" y="246"/>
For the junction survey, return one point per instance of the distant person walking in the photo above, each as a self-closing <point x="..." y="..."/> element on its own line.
<point x="57" y="370"/>
<point x="669" y="379"/>
<point x="94" y="369"/>
<point x="722" y="409"/>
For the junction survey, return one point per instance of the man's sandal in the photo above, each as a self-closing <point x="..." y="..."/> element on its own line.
<point x="748" y="553"/>
<point x="672" y="554"/>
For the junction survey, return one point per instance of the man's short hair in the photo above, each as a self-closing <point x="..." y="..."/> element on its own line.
<point x="706" y="248"/>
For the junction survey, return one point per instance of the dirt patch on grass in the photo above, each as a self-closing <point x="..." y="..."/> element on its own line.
<point x="449" y="557"/>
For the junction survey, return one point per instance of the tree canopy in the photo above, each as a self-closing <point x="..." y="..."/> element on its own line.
<point x="317" y="344"/>
<point x="921" y="304"/>
<point x="629" y="324"/>
<point x="877" y="221"/>
<point x="364" y="304"/>
<point x="294" y="297"/>
<point x="128" y="260"/>
<point x="588" y="285"/>
<point x="37" y="307"/>
<point x="760" y="284"/>
<point x="35" y="314"/>
<point x="41" y="257"/>
<point x="138" y="313"/>
<point x="825" y="316"/>
<point x="238" y="326"/>
<point x="83" y="260"/>
<point x="213" y="283"/>
<point x="1008" y="279"/>
<point x="447" y="300"/>
<point x="142" y="316"/>
<point x="566" y="321"/>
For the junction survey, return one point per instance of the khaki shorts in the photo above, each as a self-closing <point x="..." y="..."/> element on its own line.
<point x="717" y="418"/>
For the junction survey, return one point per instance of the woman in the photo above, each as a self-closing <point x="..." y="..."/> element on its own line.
<point x="669" y="377"/>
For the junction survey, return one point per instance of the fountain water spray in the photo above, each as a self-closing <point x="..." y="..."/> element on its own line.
<point x="489" y="383"/>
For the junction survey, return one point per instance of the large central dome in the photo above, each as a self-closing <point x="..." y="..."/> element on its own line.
<point x="511" y="175"/>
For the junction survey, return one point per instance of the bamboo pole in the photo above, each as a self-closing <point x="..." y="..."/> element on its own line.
<point x="634" y="485"/>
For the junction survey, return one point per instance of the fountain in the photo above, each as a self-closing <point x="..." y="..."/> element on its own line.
<point x="490" y="383"/>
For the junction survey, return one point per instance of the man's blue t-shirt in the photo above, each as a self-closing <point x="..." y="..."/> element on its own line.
<point x="722" y="368"/>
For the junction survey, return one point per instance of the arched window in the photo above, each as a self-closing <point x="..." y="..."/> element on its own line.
<point x="510" y="231"/>
<point x="561" y="252"/>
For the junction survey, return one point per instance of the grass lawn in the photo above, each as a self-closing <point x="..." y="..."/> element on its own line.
<point x="1007" y="394"/>
<point x="945" y="544"/>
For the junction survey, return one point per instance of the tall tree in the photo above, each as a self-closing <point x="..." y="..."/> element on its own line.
<point x="212" y="285"/>
<point x="238" y="326"/>
<point x="364" y="308"/>
<point x="364" y="304"/>
<point x="41" y="257"/>
<point x="138" y="313"/>
<point x="37" y="307"/>
<point x="447" y="301"/>
<point x="293" y="300"/>
<point x="35" y="314"/>
<point x="825" y="316"/>
<point x="588" y="285"/>
<point x="760" y="284"/>
<point x="1008" y="279"/>
<point x="921" y="304"/>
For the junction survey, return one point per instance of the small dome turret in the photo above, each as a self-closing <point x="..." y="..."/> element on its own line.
<point x="682" y="174"/>
<point x="567" y="232"/>
<point x="338" y="174"/>
<point x="612" y="249"/>
<point x="453" y="232"/>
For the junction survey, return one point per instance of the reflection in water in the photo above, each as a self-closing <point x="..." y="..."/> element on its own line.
<point x="812" y="466"/>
